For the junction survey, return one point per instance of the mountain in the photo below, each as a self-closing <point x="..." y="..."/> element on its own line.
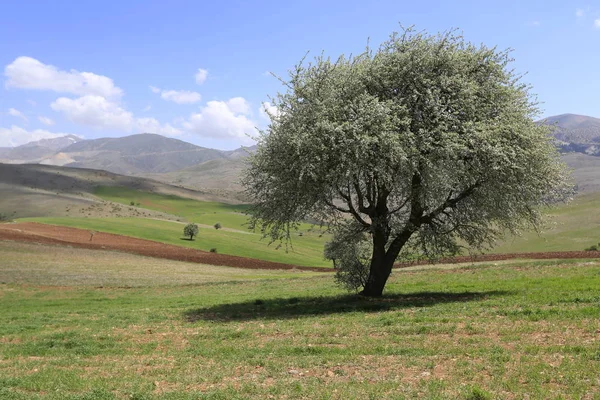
<point x="38" y="150"/>
<point x="133" y="155"/>
<point x="576" y="133"/>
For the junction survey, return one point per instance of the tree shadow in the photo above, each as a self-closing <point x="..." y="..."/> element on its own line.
<point x="188" y="239"/>
<point x="297" y="307"/>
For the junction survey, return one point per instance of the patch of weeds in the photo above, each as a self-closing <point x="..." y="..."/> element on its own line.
<point x="476" y="393"/>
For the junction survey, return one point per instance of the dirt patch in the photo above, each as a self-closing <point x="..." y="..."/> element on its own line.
<point x="61" y="235"/>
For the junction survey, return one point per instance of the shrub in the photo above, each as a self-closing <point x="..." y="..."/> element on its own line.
<point x="218" y="226"/>
<point x="190" y="230"/>
<point x="593" y="248"/>
<point x="132" y="203"/>
<point x="350" y="253"/>
<point x="213" y="250"/>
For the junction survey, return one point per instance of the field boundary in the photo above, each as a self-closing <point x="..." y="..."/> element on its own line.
<point x="36" y="232"/>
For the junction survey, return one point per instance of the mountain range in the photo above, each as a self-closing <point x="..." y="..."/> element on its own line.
<point x="185" y="164"/>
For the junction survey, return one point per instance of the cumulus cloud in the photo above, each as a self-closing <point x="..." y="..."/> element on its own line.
<point x="181" y="96"/>
<point x="201" y="76"/>
<point x="46" y="121"/>
<point x="100" y="113"/>
<point x="17" y="114"/>
<point x="222" y="119"/>
<point x="239" y="105"/>
<point x="29" y="73"/>
<point x="597" y="23"/>
<point x="154" y="89"/>
<point x="580" y="12"/>
<point x="94" y="111"/>
<point x="16" y="136"/>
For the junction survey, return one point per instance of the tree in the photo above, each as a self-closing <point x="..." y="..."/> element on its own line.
<point x="429" y="144"/>
<point x="217" y="226"/>
<point x="190" y="230"/>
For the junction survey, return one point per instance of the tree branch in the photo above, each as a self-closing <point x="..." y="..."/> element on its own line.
<point x="450" y="203"/>
<point x="352" y="210"/>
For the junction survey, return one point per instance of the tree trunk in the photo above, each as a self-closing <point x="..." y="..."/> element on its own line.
<point x="380" y="268"/>
<point x="379" y="272"/>
<point x="382" y="262"/>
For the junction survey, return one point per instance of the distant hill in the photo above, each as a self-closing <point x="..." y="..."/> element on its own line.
<point x="576" y="133"/>
<point x="220" y="177"/>
<point x="586" y="171"/>
<point x="135" y="154"/>
<point x="34" y="152"/>
<point x="30" y="190"/>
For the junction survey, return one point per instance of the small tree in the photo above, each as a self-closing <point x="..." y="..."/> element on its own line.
<point x="190" y="230"/>
<point x="428" y="144"/>
<point x="350" y="253"/>
<point x="217" y="226"/>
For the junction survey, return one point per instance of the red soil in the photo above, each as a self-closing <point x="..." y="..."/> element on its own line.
<point x="61" y="235"/>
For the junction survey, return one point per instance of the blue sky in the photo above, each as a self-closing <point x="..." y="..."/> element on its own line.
<point x="198" y="70"/>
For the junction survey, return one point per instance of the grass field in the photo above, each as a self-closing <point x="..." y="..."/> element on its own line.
<point x="27" y="263"/>
<point x="574" y="226"/>
<point x="202" y="212"/>
<point x="508" y="331"/>
<point x="307" y="249"/>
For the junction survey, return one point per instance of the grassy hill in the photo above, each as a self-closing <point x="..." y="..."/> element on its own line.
<point x="30" y="190"/>
<point x="574" y="226"/>
<point x="234" y="237"/>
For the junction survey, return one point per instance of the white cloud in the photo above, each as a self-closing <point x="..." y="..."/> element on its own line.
<point x="29" y="73"/>
<point x="201" y="76"/>
<point x="268" y="111"/>
<point x="222" y="119"/>
<point x="46" y="120"/>
<point x="178" y="96"/>
<point x="151" y="125"/>
<point x="597" y="23"/>
<point x="17" y="114"/>
<point x="181" y="96"/>
<point x="238" y="105"/>
<point x="94" y="111"/>
<point x="147" y="108"/>
<point x="99" y="113"/>
<point x="579" y="12"/>
<point x="16" y="136"/>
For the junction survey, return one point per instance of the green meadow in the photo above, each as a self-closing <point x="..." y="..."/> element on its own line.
<point x="573" y="226"/>
<point x="514" y="330"/>
<point x="306" y="250"/>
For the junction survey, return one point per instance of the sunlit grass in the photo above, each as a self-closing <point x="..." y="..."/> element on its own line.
<point x="524" y="331"/>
